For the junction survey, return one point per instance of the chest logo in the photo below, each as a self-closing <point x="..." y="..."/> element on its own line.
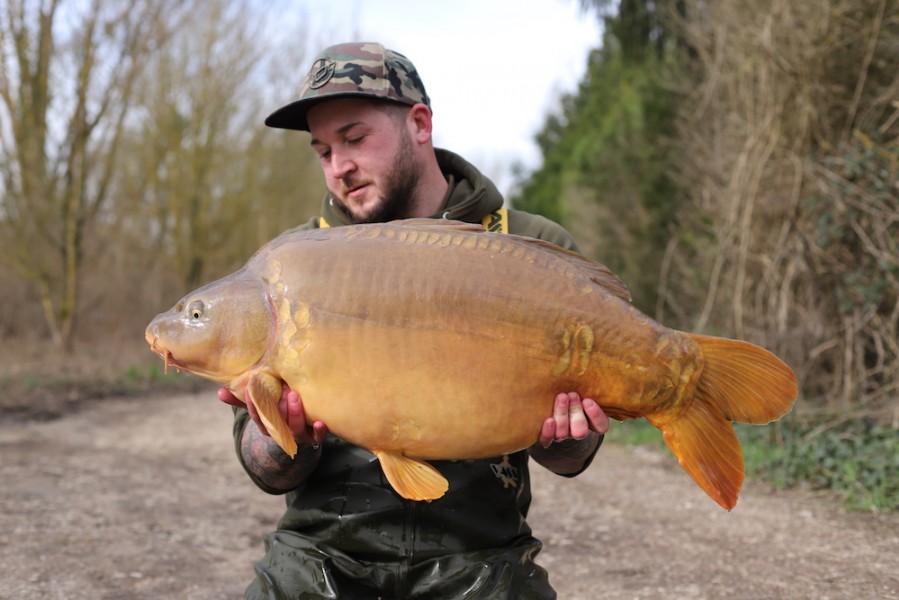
<point x="506" y="473"/>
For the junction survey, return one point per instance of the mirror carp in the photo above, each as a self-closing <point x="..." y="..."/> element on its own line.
<point x="425" y="339"/>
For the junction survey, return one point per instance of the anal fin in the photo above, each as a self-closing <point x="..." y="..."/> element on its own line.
<point x="411" y="478"/>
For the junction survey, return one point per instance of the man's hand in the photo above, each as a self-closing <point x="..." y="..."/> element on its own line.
<point x="263" y="458"/>
<point x="570" y="438"/>
<point x="573" y="418"/>
<point x="291" y="408"/>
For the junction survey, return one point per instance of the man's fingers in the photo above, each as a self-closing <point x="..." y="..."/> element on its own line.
<point x="283" y="406"/>
<point x="251" y="408"/>
<point x="319" y="432"/>
<point x="560" y="414"/>
<point x="225" y="395"/>
<point x="577" y="419"/>
<point x="548" y="432"/>
<point x="573" y="418"/>
<point x="296" y="418"/>
<point x="599" y="421"/>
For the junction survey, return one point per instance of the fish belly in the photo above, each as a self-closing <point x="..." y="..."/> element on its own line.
<point x="433" y="394"/>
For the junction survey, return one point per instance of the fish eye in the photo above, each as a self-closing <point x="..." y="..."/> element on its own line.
<point x="196" y="309"/>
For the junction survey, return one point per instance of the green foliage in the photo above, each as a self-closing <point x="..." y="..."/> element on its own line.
<point x="605" y="172"/>
<point x="853" y="247"/>
<point x="636" y="432"/>
<point x="780" y="217"/>
<point x="147" y="373"/>
<point x="855" y="227"/>
<point x="857" y="459"/>
<point x="749" y="189"/>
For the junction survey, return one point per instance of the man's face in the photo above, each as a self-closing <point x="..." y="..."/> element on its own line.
<point x="368" y="157"/>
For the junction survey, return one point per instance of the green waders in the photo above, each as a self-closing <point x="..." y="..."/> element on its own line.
<point x="346" y="534"/>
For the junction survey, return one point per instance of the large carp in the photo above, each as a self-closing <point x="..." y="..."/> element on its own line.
<point x="427" y="339"/>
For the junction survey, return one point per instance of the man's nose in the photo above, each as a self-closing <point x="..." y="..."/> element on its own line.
<point x="341" y="165"/>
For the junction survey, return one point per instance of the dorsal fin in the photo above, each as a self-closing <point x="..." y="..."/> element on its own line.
<point x="597" y="272"/>
<point x="446" y="224"/>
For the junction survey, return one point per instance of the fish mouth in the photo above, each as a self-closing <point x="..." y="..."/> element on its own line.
<point x="166" y="355"/>
<point x="169" y="361"/>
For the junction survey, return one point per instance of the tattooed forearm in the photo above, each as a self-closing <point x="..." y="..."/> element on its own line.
<point x="265" y="459"/>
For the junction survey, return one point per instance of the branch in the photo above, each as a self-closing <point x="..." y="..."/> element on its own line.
<point x="866" y="65"/>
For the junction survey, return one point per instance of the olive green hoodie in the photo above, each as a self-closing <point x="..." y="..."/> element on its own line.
<point x="470" y="197"/>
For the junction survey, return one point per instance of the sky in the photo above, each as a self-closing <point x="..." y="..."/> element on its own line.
<point x="494" y="69"/>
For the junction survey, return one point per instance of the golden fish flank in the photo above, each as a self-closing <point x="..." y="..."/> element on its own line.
<point x="416" y="323"/>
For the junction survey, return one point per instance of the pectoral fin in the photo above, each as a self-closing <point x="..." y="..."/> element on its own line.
<point x="412" y="479"/>
<point x="265" y="392"/>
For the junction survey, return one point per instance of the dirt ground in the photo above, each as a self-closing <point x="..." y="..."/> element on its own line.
<point x="142" y="498"/>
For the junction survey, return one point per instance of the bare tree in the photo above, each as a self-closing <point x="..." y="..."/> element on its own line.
<point x="201" y="177"/>
<point x="790" y="160"/>
<point x="67" y="78"/>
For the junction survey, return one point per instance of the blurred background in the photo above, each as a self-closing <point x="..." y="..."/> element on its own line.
<point x="735" y="162"/>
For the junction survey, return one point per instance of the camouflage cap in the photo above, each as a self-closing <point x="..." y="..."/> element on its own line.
<point x="365" y="69"/>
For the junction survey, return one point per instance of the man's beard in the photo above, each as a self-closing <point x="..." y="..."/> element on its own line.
<point x="400" y="184"/>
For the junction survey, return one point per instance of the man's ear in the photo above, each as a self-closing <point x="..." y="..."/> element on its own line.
<point x="420" y="122"/>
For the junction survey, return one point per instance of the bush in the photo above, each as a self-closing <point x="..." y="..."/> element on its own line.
<point x="857" y="459"/>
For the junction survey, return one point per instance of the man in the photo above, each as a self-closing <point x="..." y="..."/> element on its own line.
<point x="346" y="533"/>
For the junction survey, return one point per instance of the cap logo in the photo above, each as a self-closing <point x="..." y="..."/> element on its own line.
<point x="321" y="72"/>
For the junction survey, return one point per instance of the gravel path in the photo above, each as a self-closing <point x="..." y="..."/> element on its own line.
<point x="143" y="499"/>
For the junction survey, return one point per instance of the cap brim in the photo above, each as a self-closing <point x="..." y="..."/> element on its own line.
<point x="291" y="116"/>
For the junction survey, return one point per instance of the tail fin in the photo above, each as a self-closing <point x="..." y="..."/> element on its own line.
<point x="707" y="448"/>
<point x="739" y="382"/>
<point x="748" y="383"/>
